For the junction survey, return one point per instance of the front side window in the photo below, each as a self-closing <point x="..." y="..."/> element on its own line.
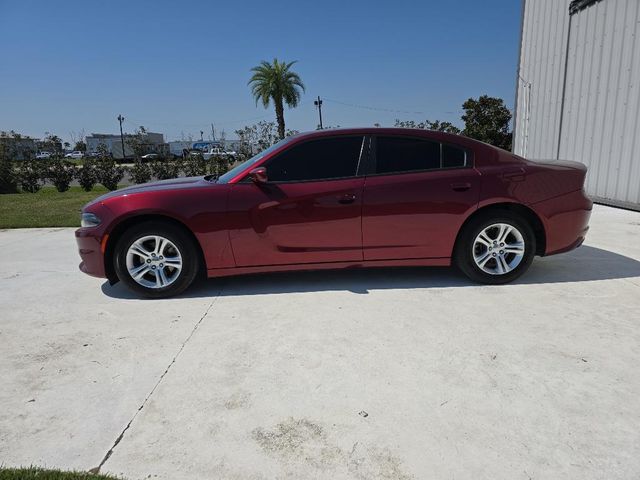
<point x="401" y="154"/>
<point x="244" y="166"/>
<point x="321" y="159"/>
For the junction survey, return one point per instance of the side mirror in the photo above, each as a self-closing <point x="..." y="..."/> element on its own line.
<point x="258" y="175"/>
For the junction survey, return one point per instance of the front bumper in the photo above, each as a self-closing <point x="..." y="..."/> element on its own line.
<point x="90" y="244"/>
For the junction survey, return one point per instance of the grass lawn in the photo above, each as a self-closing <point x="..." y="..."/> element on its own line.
<point x="47" y="208"/>
<point x="34" y="473"/>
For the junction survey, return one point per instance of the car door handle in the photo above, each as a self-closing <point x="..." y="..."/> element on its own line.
<point x="347" y="198"/>
<point x="460" y="187"/>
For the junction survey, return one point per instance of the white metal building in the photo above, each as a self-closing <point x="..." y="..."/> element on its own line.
<point x="578" y="91"/>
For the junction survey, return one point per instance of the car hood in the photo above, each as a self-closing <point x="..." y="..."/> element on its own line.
<point x="171" y="184"/>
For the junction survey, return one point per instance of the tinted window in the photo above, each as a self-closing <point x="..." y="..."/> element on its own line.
<point x="398" y="154"/>
<point x="317" y="160"/>
<point x="453" y="157"/>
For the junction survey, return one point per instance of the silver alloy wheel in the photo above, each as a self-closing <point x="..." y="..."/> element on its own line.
<point x="154" y="261"/>
<point x="498" y="249"/>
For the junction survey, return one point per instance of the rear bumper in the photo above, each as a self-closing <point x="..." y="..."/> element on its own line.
<point x="89" y="247"/>
<point x="566" y="221"/>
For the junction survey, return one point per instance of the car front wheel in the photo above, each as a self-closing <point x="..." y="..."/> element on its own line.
<point x="496" y="248"/>
<point x="156" y="259"/>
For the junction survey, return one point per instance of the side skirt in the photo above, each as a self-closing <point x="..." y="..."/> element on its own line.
<point x="413" y="262"/>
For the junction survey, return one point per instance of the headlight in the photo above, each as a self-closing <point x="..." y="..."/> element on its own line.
<point x="89" y="220"/>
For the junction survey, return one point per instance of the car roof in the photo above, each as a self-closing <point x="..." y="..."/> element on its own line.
<point x="484" y="152"/>
<point x="387" y="131"/>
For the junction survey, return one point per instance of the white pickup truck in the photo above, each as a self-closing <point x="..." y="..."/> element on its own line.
<point x="217" y="152"/>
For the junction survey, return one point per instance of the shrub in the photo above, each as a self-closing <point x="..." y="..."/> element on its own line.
<point x="31" y="175"/>
<point x="8" y="180"/>
<point x="140" y="172"/>
<point x="109" y="173"/>
<point x="87" y="174"/>
<point x="218" y="165"/>
<point x="165" y="168"/>
<point x="195" y="165"/>
<point x="60" y="173"/>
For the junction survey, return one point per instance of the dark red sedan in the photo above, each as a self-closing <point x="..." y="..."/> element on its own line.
<point x="370" y="197"/>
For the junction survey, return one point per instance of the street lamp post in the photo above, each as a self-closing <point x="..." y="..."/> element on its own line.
<point x="318" y="103"/>
<point x="121" y="119"/>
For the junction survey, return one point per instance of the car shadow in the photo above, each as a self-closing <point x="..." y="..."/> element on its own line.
<point x="582" y="265"/>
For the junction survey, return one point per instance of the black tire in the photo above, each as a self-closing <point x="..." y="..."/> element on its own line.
<point x="465" y="248"/>
<point x="182" y="242"/>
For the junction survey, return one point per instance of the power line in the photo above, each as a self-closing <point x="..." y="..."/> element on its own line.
<point x="391" y="110"/>
<point x="366" y="107"/>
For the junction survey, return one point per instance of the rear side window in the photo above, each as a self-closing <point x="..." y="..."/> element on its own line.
<point x="317" y="160"/>
<point x="399" y="154"/>
<point x="453" y="157"/>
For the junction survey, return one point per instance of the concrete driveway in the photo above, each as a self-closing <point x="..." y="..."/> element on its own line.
<point x="368" y="374"/>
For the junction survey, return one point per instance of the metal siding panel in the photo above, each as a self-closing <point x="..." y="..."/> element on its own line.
<point x="603" y="131"/>
<point x="595" y="95"/>
<point x="601" y="118"/>
<point x="545" y="113"/>
<point x="628" y="186"/>
<point x="542" y="64"/>
<point x="558" y="76"/>
<point x="612" y="142"/>
<point x="572" y="99"/>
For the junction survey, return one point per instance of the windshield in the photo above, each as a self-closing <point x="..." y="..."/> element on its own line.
<point x="255" y="159"/>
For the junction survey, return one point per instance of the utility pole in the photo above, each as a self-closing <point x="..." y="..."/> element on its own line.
<point x="121" y="119"/>
<point x="318" y="103"/>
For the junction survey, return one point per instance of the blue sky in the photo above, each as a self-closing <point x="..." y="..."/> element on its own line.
<point x="176" y="67"/>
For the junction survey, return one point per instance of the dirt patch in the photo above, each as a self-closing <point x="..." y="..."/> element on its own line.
<point x="300" y="443"/>
<point x="237" y="401"/>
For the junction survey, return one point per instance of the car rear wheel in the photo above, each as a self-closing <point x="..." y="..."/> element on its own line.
<point x="495" y="248"/>
<point x="156" y="259"/>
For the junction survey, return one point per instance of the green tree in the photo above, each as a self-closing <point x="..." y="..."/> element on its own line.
<point x="257" y="137"/>
<point x="8" y="181"/>
<point x="436" y="125"/>
<point x="52" y="143"/>
<point x="138" y="142"/>
<point x="140" y="172"/>
<point x="276" y="82"/>
<point x="487" y="119"/>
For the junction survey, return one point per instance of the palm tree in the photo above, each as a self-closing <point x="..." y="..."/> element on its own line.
<point x="275" y="81"/>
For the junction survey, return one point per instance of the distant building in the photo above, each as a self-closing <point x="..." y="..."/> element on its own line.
<point x="18" y="147"/>
<point x="153" y="143"/>
<point x="178" y="147"/>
